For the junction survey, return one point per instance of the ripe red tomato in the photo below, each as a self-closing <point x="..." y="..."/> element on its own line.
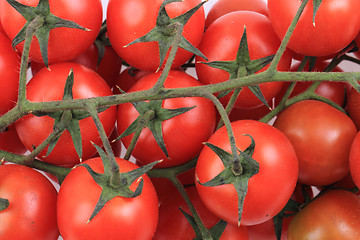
<point x="173" y="224"/>
<point x="335" y="91"/>
<point x="124" y="26"/>
<point x="32" y="210"/>
<point x="354" y="160"/>
<point x="64" y="43"/>
<point x="353" y="106"/>
<point x="221" y="42"/>
<point x="327" y="35"/>
<point x="183" y="135"/>
<point x="9" y="71"/>
<point x="120" y="218"/>
<point x="221" y="7"/>
<point x="33" y="130"/>
<point x="334" y="215"/>
<point x="321" y="136"/>
<point x="277" y="176"/>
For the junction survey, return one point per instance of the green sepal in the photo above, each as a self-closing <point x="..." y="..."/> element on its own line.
<point x="155" y="123"/>
<point x="316" y="5"/>
<point x="243" y="66"/>
<point x="74" y="130"/>
<point x="290" y="209"/>
<point x="4" y="204"/>
<point x="42" y="33"/>
<point x="164" y="31"/>
<point x="103" y="180"/>
<point x="193" y="224"/>
<point x="230" y="175"/>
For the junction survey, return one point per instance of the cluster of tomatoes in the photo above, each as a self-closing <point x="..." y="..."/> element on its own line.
<point x="237" y="183"/>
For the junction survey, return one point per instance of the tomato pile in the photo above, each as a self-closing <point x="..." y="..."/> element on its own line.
<point x="161" y="120"/>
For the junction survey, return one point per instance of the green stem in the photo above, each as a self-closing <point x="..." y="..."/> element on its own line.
<point x="115" y="180"/>
<point x="175" y="46"/>
<point x="286" y="38"/>
<point x="168" y="172"/>
<point x="230" y="105"/>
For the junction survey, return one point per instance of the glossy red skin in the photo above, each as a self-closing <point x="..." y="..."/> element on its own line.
<point x="125" y="27"/>
<point x="335" y="91"/>
<point x="64" y="43"/>
<point x="222" y="7"/>
<point x="353" y="106"/>
<point x="221" y="42"/>
<point x="32" y="210"/>
<point x="277" y="176"/>
<point x="321" y="136"/>
<point x="354" y="160"/>
<point x="33" y="130"/>
<point x="10" y="141"/>
<point x="183" y="135"/>
<point x="128" y="78"/>
<point x="2" y="28"/>
<point x="173" y="224"/>
<point x="334" y="215"/>
<point x="328" y="36"/>
<point x="9" y="71"/>
<point x="120" y="218"/>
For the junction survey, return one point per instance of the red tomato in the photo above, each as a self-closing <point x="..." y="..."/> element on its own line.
<point x="327" y="35"/>
<point x="277" y="176"/>
<point x="64" y="43"/>
<point x="222" y="7"/>
<point x="10" y="141"/>
<point x="32" y="210"/>
<point x="125" y="27"/>
<point x="109" y="67"/>
<point x="221" y="42"/>
<point x="183" y="134"/>
<point x="354" y="160"/>
<point x="334" y="215"/>
<point x="266" y="231"/>
<point x="173" y="224"/>
<point x="335" y="91"/>
<point x="33" y="130"/>
<point x="353" y="106"/>
<point x="120" y="218"/>
<point x="321" y="136"/>
<point x="2" y="28"/>
<point x="357" y="41"/>
<point x="9" y="71"/>
<point x="128" y="78"/>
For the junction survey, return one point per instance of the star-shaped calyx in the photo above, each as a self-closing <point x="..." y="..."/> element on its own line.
<point x="122" y="188"/>
<point x="243" y="66"/>
<point x="151" y="115"/>
<point x="165" y="31"/>
<point x="237" y="171"/>
<point x="42" y="33"/>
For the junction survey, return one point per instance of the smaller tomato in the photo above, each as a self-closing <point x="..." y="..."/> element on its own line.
<point x="353" y="106"/>
<point x="128" y="78"/>
<point x="355" y="160"/>
<point x="10" y="141"/>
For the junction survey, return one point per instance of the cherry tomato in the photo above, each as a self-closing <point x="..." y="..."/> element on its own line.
<point x="64" y="43"/>
<point x="33" y="130"/>
<point x="277" y="175"/>
<point x="10" y="141"/>
<point x="183" y="135"/>
<point x="9" y="71"/>
<point x="321" y="136"/>
<point x="354" y="160"/>
<point x="31" y="213"/>
<point x="333" y="215"/>
<point x="221" y="7"/>
<point x="124" y="27"/>
<point x="324" y="36"/>
<point x="128" y="78"/>
<point x="221" y="42"/>
<point x="120" y="218"/>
